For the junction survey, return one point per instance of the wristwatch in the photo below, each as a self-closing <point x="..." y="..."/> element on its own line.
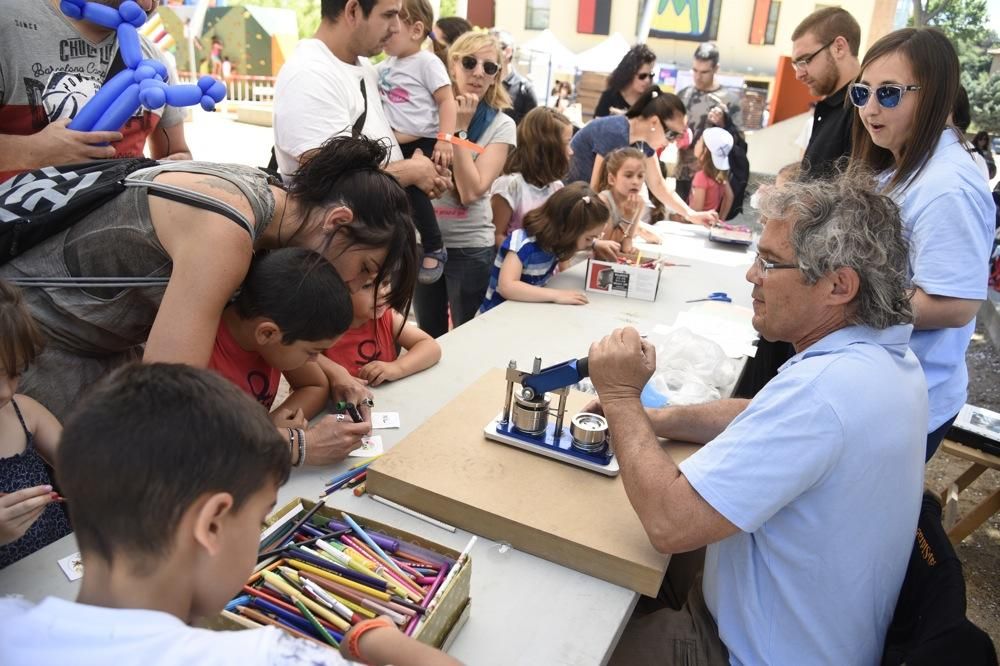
<point x="462" y="134"/>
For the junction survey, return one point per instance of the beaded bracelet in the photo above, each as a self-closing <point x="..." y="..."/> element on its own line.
<point x="291" y="445"/>
<point x="301" y="434"/>
<point x="353" y="647"/>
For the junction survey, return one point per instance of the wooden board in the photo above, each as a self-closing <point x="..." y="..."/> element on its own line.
<point x="579" y="519"/>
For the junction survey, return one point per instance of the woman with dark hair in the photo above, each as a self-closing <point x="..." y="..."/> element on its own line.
<point x="632" y="77"/>
<point x="445" y="32"/>
<point x="656" y="119"/>
<point x="981" y="142"/>
<point x="905" y="95"/>
<point x="188" y="230"/>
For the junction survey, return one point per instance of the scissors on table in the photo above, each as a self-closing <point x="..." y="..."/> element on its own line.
<point x="714" y="296"/>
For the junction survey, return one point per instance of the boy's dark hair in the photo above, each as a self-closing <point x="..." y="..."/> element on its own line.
<point x="20" y="339"/>
<point x="332" y="9"/>
<point x="564" y="217"/>
<point x="299" y="291"/>
<point x="151" y="439"/>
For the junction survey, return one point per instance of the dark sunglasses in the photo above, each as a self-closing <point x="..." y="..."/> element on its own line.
<point x="644" y="76"/>
<point x="490" y="68"/>
<point x="887" y="95"/>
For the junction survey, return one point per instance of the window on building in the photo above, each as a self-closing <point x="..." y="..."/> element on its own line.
<point x="764" y="24"/>
<point x="536" y="15"/>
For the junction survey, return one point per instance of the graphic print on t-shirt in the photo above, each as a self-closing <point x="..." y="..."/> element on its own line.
<point x="65" y="94"/>
<point x="259" y="385"/>
<point x="394" y="95"/>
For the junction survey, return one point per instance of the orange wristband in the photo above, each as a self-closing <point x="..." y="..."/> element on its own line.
<point x="353" y="643"/>
<point x="464" y="143"/>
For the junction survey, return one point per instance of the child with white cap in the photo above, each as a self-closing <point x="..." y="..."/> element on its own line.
<point x="710" y="188"/>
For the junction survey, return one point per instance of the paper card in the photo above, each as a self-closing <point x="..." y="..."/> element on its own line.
<point x="72" y="566"/>
<point x="382" y="420"/>
<point x="370" y="446"/>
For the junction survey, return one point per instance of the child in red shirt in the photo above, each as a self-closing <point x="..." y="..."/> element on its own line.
<point x="370" y="348"/>
<point x="291" y="308"/>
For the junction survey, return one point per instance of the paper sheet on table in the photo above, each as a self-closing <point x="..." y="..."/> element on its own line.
<point x="727" y="324"/>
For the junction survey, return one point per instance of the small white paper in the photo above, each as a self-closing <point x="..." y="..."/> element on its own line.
<point x="383" y="420"/>
<point x="72" y="566"/>
<point x="370" y="446"/>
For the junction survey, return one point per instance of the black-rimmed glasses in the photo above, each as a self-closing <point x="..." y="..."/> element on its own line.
<point x="804" y="61"/>
<point x="887" y="95"/>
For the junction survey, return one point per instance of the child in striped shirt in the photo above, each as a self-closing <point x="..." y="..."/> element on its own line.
<point x="571" y="220"/>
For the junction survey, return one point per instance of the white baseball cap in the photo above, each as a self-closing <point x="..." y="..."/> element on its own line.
<point x="719" y="142"/>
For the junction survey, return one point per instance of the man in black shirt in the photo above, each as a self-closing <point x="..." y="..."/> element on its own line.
<point x="825" y="57"/>
<point x="522" y="95"/>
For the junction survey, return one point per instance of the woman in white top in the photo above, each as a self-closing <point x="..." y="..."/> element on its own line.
<point x="483" y="138"/>
<point x="905" y="94"/>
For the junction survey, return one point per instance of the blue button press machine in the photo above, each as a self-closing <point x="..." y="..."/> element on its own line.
<point x="524" y="421"/>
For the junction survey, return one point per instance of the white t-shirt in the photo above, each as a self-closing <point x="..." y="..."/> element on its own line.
<point x="57" y="631"/>
<point x="522" y="196"/>
<point x="318" y="96"/>
<point x="407" y="86"/>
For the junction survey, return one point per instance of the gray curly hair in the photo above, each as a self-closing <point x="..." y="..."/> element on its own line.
<point x="844" y="222"/>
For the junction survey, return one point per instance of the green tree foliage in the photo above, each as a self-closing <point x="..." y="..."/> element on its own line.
<point x="448" y="8"/>
<point x="307" y="12"/>
<point x="965" y="22"/>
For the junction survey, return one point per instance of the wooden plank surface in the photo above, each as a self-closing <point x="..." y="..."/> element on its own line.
<point x="580" y="519"/>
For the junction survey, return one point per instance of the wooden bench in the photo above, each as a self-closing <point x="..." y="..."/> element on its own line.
<point x="960" y="527"/>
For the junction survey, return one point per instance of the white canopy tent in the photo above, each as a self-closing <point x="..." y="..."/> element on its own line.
<point x="605" y="56"/>
<point x="562" y="58"/>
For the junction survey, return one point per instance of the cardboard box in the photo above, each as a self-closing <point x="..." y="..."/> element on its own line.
<point x="450" y="613"/>
<point x="626" y="280"/>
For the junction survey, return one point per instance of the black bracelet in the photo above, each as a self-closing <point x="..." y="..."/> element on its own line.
<point x="291" y="445"/>
<point x="302" y="447"/>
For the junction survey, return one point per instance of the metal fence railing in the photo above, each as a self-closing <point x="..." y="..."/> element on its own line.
<point x="240" y="88"/>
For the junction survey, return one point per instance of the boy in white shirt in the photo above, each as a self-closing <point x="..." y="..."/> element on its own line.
<point x="420" y="105"/>
<point x="170" y="471"/>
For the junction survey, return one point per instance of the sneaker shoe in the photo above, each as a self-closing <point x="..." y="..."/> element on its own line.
<point x="432" y="275"/>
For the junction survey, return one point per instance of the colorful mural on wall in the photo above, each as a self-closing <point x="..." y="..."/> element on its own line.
<point x="691" y="20"/>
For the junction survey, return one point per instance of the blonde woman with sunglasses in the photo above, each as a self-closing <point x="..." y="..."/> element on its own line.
<point x="904" y="96"/>
<point x="483" y="137"/>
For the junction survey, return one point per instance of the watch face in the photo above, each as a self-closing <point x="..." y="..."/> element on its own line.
<point x="462" y="134"/>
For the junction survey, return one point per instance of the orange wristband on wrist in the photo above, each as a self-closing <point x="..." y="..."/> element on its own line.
<point x="464" y="143"/>
<point x="353" y="642"/>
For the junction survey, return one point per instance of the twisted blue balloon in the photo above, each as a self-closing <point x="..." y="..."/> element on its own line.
<point x="143" y="82"/>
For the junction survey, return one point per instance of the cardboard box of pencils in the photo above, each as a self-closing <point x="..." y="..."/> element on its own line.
<point x="448" y="603"/>
<point x="624" y="279"/>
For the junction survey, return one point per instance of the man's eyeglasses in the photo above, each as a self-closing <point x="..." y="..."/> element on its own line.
<point x="763" y="265"/>
<point x="804" y="61"/>
<point x="489" y="67"/>
<point x="888" y="95"/>
<point x="644" y="75"/>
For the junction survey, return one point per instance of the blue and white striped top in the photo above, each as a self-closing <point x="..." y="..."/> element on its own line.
<point x="537" y="265"/>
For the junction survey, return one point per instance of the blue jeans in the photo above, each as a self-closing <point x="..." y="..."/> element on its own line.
<point x="463" y="286"/>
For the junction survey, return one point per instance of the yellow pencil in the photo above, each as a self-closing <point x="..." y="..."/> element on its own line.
<point x="287" y="588"/>
<point x="346" y="582"/>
